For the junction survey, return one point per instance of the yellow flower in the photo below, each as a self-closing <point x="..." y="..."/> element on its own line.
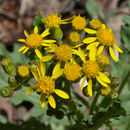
<point x="79" y="23"/>
<point x="103" y="60"/>
<point x="105" y="91"/>
<point x="72" y="71"/>
<point x="95" y="24"/>
<point x="54" y="20"/>
<point x="46" y="85"/>
<point x="62" y="53"/>
<point x="34" y="41"/>
<point x="92" y="70"/>
<point x="23" y="71"/>
<point x="104" y="37"/>
<point x="74" y="38"/>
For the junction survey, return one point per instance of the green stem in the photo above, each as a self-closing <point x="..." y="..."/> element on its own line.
<point x="124" y="80"/>
<point x="94" y="103"/>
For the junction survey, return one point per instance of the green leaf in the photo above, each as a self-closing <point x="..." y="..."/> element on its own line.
<point x="17" y="58"/>
<point x="3" y="120"/>
<point x="33" y="98"/>
<point x="126" y="19"/>
<point x="92" y="8"/>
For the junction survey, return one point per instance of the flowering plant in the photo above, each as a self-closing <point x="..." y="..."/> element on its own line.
<point x="56" y="65"/>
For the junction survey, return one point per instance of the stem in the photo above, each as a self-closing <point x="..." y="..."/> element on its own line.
<point x="94" y="103"/>
<point x="124" y="80"/>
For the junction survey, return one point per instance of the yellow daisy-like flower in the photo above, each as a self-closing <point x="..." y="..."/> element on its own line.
<point x="95" y="24"/>
<point x="23" y="71"/>
<point x="105" y="91"/>
<point x="74" y="38"/>
<point x="34" y="41"/>
<point x="104" y="37"/>
<point x="92" y="70"/>
<point x="79" y="23"/>
<point x="46" y="85"/>
<point x="72" y="71"/>
<point x="103" y="60"/>
<point x="62" y="53"/>
<point x="54" y="20"/>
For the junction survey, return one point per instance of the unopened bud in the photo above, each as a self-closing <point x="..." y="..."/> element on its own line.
<point x="6" y="92"/>
<point x="115" y="82"/>
<point x="8" y="65"/>
<point x="12" y="81"/>
<point x="57" y="33"/>
<point x="114" y="95"/>
<point x="59" y="114"/>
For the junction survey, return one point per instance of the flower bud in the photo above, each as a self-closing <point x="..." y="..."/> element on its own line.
<point x="12" y="81"/>
<point x="57" y="33"/>
<point x="59" y="114"/>
<point x="6" y="92"/>
<point x="8" y="65"/>
<point x="115" y="82"/>
<point x="114" y="94"/>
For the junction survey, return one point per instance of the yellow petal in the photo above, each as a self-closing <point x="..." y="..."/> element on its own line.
<point x="21" y="40"/>
<point x="83" y="82"/>
<point x="89" y="40"/>
<point x="34" y="72"/>
<point x="43" y="100"/>
<point x="62" y="94"/>
<point x="52" y="101"/>
<point x="104" y="77"/>
<point x="38" y="53"/>
<point x="93" y="53"/>
<point x="47" y="58"/>
<point x="100" y="49"/>
<point x="78" y="45"/>
<point x="57" y="71"/>
<point x="89" y="87"/>
<point x="31" y="90"/>
<point x="112" y="53"/>
<point x="101" y="82"/>
<point x="90" y="46"/>
<point x="90" y="31"/>
<point x="45" y="33"/>
<point x="26" y="33"/>
<point x="36" y="29"/>
<point x="38" y="68"/>
<point x="43" y="68"/>
<point x="117" y="48"/>
<point x="48" y="41"/>
<point x="21" y="48"/>
<point x="27" y="48"/>
<point x="103" y="26"/>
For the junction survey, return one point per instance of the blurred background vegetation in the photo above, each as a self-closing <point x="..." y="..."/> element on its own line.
<point x="17" y="15"/>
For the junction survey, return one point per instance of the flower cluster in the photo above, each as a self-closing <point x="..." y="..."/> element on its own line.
<point x="75" y="58"/>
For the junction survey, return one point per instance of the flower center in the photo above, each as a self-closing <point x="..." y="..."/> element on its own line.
<point x="95" y="24"/>
<point x="79" y="23"/>
<point x="105" y="37"/>
<point x="72" y="71"/>
<point x="90" y="68"/>
<point x="74" y="37"/>
<point x="103" y="60"/>
<point x="23" y="71"/>
<point x="46" y="85"/>
<point x="33" y="40"/>
<point x="63" y="53"/>
<point x="53" y="20"/>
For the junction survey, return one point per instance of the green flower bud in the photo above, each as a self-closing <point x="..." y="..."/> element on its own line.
<point x="59" y="114"/>
<point x="6" y="92"/>
<point x="115" y="82"/>
<point x="12" y="82"/>
<point x="50" y="112"/>
<point x="8" y="65"/>
<point x="114" y="94"/>
<point x="57" y="33"/>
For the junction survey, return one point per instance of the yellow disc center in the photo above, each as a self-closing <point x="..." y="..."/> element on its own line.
<point x="33" y="40"/>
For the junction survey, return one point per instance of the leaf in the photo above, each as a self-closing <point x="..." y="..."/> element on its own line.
<point x="17" y="58"/>
<point x="92" y="8"/>
<point x="3" y="120"/>
<point x="126" y="19"/>
<point x="33" y="98"/>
